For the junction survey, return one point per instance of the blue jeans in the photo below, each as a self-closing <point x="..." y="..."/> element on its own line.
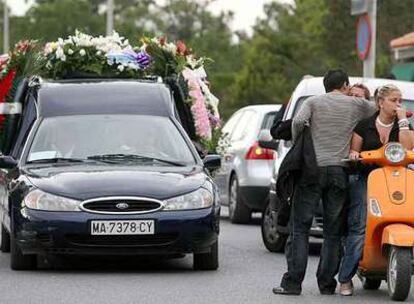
<point x="356" y="220"/>
<point x="332" y="189"/>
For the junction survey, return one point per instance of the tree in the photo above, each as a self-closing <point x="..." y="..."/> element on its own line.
<point x="50" y="19"/>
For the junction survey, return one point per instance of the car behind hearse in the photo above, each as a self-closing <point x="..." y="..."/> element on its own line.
<point x="104" y="167"/>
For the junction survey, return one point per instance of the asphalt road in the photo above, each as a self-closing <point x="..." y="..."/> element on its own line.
<point x="247" y="274"/>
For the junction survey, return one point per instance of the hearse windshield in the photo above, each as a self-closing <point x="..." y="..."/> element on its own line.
<point x="140" y="139"/>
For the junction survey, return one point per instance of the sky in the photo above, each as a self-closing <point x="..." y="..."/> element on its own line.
<point x="245" y="11"/>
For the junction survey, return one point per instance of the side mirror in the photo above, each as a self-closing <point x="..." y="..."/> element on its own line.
<point x="212" y="162"/>
<point x="7" y="162"/>
<point x="266" y="140"/>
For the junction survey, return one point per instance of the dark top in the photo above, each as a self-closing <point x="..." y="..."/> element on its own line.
<point x="367" y="129"/>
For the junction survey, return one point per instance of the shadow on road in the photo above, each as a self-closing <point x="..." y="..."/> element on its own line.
<point x="120" y="264"/>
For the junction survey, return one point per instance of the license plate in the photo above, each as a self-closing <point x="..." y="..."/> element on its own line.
<point x="124" y="227"/>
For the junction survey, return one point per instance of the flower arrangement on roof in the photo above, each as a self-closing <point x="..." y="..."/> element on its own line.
<point x="85" y="56"/>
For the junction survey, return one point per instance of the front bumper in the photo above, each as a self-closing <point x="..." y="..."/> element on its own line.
<point x="176" y="232"/>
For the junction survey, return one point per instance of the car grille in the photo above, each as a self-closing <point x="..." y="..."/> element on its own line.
<point x="120" y="206"/>
<point x="161" y="239"/>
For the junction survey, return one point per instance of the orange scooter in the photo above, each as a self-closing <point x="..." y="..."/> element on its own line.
<point x="389" y="236"/>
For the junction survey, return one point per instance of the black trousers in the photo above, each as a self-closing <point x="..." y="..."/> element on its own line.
<point x="331" y="188"/>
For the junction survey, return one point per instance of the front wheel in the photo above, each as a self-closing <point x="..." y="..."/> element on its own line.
<point x="399" y="273"/>
<point x="272" y="239"/>
<point x="207" y="261"/>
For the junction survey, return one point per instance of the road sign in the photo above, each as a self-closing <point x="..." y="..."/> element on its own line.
<point x="364" y="36"/>
<point x="359" y="7"/>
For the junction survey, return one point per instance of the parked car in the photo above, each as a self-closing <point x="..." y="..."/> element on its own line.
<point x="103" y="167"/>
<point x="273" y="239"/>
<point x="244" y="176"/>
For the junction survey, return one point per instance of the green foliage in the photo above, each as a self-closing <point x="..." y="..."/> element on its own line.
<point x="310" y="37"/>
<point x="307" y="37"/>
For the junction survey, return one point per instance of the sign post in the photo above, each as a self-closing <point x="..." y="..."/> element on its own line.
<point x="366" y="33"/>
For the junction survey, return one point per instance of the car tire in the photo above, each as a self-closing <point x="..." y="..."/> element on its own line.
<point x="272" y="239"/>
<point x="207" y="261"/>
<point x="399" y="273"/>
<point x="5" y="240"/>
<point x="18" y="260"/>
<point x="239" y="213"/>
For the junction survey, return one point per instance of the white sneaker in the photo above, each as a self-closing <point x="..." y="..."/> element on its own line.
<point x="346" y="289"/>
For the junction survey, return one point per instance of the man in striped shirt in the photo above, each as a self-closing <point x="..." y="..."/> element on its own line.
<point x="332" y="118"/>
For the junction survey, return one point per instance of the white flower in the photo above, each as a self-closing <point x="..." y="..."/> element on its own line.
<point x="133" y="66"/>
<point x="82" y="52"/>
<point x="59" y="53"/>
<point x="61" y="43"/>
<point x="121" y="68"/>
<point x="99" y="53"/>
<point x="171" y="47"/>
<point x="70" y="52"/>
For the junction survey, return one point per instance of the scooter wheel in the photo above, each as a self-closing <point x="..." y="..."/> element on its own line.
<point x="399" y="273"/>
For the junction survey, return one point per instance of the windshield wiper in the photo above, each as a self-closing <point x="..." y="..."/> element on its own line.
<point x="57" y="160"/>
<point x="128" y="157"/>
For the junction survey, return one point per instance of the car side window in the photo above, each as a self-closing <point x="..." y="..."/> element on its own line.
<point x="231" y="123"/>
<point x="268" y="121"/>
<point x="298" y="105"/>
<point x="245" y="125"/>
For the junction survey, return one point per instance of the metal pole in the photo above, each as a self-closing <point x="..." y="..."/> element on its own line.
<point x="5" y="27"/>
<point x="109" y="17"/>
<point x="369" y="63"/>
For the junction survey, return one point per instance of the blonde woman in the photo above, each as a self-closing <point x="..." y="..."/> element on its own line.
<point x="389" y="124"/>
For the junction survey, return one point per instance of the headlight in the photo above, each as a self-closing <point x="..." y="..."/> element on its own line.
<point x="395" y="152"/>
<point x="201" y="198"/>
<point x="37" y="199"/>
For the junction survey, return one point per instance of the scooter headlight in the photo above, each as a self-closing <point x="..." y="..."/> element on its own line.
<point x="395" y="152"/>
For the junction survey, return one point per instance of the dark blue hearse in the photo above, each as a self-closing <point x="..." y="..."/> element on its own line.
<point x="104" y="167"/>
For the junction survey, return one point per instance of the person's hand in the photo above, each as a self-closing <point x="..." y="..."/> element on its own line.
<point x="401" y="113"/>
<point x="353" y="155"/>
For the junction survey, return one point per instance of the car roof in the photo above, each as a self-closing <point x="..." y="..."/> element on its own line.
<point x="264" y="108"/>
<point x="97" y="96"/>
<point x="314" y="86"/>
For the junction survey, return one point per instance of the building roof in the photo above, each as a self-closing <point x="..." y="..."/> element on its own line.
<point x="404" y="41"/>
<point x="78" y="97"/>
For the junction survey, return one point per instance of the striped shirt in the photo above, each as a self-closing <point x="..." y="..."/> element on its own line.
<point x="332" y="118"/>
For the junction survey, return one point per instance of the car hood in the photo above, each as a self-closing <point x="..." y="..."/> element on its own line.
<point x="86" y="182"/>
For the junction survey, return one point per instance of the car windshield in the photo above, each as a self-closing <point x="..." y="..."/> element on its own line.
<point x="146" y="140"/>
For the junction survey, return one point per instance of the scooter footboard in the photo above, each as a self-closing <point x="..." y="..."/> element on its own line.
<point x="398" y="235"/>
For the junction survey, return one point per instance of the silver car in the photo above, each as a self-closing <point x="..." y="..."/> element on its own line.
<point x="246" y="170"/>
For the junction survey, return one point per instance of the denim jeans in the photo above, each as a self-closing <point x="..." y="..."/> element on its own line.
<point x="357" y="216"/>
<point x="332" y="189"/>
